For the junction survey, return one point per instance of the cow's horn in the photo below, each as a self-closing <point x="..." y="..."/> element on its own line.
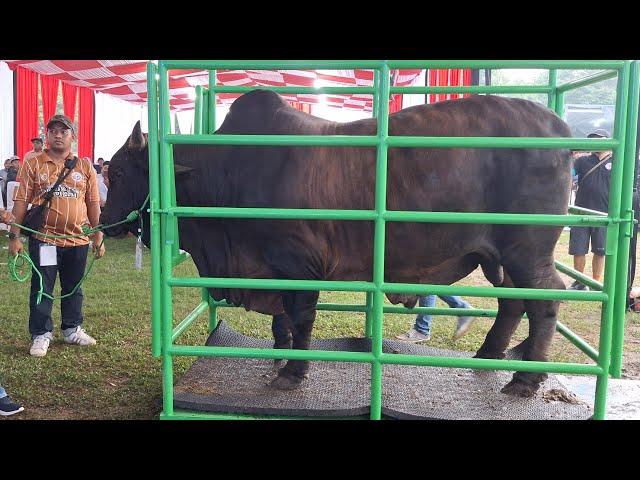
<point x="137" y="140"/>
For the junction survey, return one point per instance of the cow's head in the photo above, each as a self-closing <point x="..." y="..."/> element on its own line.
<point x="128" y="186"/>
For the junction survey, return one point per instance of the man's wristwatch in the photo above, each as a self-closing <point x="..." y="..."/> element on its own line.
<point x="13" y="236"/>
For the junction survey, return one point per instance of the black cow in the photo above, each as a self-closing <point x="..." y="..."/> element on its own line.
<point x="419" y="179"/>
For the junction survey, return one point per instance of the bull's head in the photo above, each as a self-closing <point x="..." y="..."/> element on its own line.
<point x="128" y="186"/>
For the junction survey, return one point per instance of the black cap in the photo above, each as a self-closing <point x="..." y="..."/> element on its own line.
<point x="64" y="120"/>
<point x="36" y="139"/>
<point x="599" y="133"/>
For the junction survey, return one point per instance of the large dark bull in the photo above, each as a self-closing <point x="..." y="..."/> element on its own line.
<point x="419" y="179"/>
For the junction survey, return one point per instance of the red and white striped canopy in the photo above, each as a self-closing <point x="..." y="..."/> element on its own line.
<point x="127" y="80"/>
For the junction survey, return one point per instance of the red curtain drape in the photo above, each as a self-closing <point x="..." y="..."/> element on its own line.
<point x="432" y="82"/>
<point x="69" y="94"/>
<point x="395" y="105"/>
<point x="86" y="123"/>
<point x="26" y="109"/>
<point x="49" y="87"/>
<point x="466" y="80"/>
<point x="445" y="78"/>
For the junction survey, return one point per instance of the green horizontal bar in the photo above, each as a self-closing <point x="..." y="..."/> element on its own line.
<point x="591" y="144"/>
<point x="472" y="312"/>
<point x="475" y="89"/>
<point x="577" y="341"/>
<point x="576" y="275"/>
<point x="372" y="64"/>
<point x="363" y="90"/>
<point x="490" y="364"/>
<point x="576" y="209"/>
<point x="308" y="90"/>
<point x="385" y="358"/>
<point x="495" y="218"/>
<point x="502" y="142"/>
<point x="275" y="140"/>
<point x="271" y="64"/>
<point x="599" y="77"/>
<point x="500" y="64"/>
<point x="271" y="284"/>
<point x="272" y="353"/>
<point x="291" y="213"/>
<point x="182" y="326"/>
<point x="402" y="288"/>
<point x="498" y="292"/>
<point x="392" y="216"/>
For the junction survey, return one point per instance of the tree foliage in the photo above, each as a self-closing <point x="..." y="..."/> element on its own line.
<point x="601" y="93"/>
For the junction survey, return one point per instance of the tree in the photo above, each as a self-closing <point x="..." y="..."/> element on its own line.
<point x="601" y="93"/>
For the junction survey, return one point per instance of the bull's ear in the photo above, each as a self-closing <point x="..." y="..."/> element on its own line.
<point x="137" y="140"/>
<point x="181" y="169"/>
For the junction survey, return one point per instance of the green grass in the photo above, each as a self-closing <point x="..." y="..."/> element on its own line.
<point x="119" y="379"/>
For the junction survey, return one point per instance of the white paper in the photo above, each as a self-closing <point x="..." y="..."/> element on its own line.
<point x="48" y="255"/>
<point x="138" y="263"/>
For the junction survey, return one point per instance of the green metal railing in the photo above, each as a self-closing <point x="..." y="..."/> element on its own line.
<point x="165" y="212"/>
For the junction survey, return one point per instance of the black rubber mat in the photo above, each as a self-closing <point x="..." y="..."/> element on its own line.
<point x="338" y="389"/>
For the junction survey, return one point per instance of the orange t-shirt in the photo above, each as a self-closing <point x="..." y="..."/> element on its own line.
<point x="67" y="211"/>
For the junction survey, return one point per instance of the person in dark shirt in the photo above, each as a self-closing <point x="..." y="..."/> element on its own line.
<point x="594" y="176"/>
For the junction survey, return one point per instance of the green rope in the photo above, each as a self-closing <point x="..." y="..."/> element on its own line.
<point x="14" y="265"/>
<point x="18" y="262"/>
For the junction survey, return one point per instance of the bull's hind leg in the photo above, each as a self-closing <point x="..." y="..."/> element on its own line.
<point x="509" y="315"/>
<point x="301" y="308"/>
<point x="282" y="336"/>
<point x="542" y="316"/>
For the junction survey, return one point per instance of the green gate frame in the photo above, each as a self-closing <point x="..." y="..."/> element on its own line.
<point x="165" y="254"/>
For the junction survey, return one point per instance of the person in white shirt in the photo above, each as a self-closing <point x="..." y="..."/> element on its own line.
<point x="103" y="183"/>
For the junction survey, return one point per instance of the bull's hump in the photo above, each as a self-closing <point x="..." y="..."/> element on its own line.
<point x="258" y="99"/>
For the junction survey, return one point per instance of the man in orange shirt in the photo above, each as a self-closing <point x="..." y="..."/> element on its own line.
<point x="75" y="200"/>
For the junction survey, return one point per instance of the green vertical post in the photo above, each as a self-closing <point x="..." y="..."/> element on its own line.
<point x="205" y="116"/>
<point x="368" y="325"/>
<point x="611" y="251"/>
<point x="213" y="309"/>
<point x="626" y="229"/>
<point x="157" y="287"/>
<point x="379" y="239"/>
<point x="212" y="102"/>
<point x="376" y="86"/>
<point x="553" y="83"/>
<point x="166" y="200"/>
<point x="560" y="104"/>
<point x="197" y="115"/>
<point x="368" y="311"/>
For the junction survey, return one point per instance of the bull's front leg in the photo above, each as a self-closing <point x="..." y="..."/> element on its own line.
<point x="301" y="308"/>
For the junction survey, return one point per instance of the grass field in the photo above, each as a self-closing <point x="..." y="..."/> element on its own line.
<point x="119" y="379"/>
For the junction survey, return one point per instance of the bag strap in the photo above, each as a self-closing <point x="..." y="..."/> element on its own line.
<point x="596" y="166"/>
<point x="69" y="164"/>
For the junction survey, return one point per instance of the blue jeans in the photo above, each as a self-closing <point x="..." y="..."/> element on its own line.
<point x="423" y="320"/>
<point x="2" y="392"/>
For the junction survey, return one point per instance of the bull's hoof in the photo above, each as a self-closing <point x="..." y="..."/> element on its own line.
<point x="275" y="369"/>
<point x="518" y="388"/>
<point x="490" y="355"/>
<point x="287" y="382"/>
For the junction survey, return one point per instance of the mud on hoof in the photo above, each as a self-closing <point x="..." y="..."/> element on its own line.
<point x="287" y="381"/>
<point x="519" y="388"/>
